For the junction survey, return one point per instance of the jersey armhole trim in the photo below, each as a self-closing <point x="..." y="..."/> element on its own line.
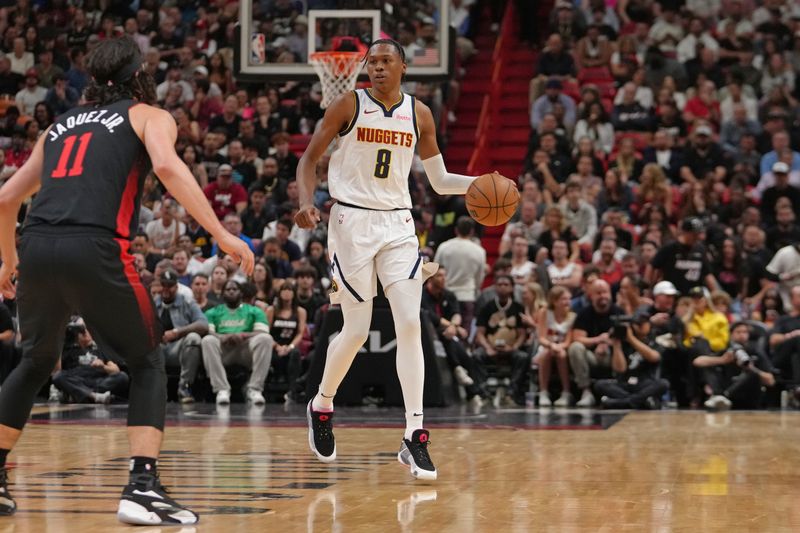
<point x="414" y="115"/>
<point x="353" y="119"/>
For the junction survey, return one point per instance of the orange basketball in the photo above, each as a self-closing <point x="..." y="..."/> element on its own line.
<point x="492" y="199"/>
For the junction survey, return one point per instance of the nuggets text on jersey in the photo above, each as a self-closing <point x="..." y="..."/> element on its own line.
<point x="380" y="136"/>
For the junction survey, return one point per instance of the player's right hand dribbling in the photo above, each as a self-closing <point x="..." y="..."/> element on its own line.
<point x="239" y="250"/>
<point x="308" y="217"/>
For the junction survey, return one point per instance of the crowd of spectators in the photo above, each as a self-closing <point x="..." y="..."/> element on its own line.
<point x="661" y="184"/>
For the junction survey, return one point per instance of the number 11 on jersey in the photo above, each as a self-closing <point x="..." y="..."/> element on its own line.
<point x="77" y="165"/>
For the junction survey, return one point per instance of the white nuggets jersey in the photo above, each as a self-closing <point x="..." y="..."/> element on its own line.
<point x="371" y="163"/>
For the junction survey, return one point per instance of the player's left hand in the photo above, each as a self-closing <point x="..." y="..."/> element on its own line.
<point x="8" y="272"/>
<point x="307" y="217"/>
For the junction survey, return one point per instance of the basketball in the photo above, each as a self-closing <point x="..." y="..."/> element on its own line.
<point x="492" y="199"/>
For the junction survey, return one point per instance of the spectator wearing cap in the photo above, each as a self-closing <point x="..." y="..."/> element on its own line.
<point x="205" y="43"/>
<point x="768" y="180"/>
<point x="21" y="60"/>
<point x="782" y="188"/>
<point x="683" y="262"/>
<point x="297" y="40"/>
<point x="30" y="95"/>
<point x="61" y="97"/>
<point x="184" y="325"/>
<point x="703" y="156"/>
<point x="634" y="360"/>
<point x="226" y="196"/>
<point x="780" y="144"/>
<point x="549" y="100"/>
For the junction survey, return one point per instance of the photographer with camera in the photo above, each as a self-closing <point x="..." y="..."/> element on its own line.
<point x="591" y="339"/>
<point x="737" y="376"/>
<point x="86" y="375"/>
<point x="635" y="361"/>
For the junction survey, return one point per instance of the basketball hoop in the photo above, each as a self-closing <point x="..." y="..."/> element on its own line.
<point x="337" y="72"/>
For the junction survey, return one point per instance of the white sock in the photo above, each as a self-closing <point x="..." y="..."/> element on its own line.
<point x="342" y="350"/>
<point x="405" y="298"/>
<point x="413" y="423"/>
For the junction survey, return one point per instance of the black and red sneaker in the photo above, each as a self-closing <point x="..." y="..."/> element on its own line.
<point x="320" y="434"/>
<point x="414" y="454"/>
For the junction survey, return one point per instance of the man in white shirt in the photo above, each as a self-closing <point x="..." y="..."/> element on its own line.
<point x="465" y="262"/>
<point x="21" y="60"/>
<point x="687" y="48"/>
<point x="31" y="94"/>
<point x="785" y="265"/>
<point x="667" y="32"/>
<point x="164" y="232"/>
<point x="174" y="77"/>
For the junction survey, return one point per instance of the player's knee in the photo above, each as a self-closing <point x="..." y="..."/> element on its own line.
<point x="407" y="325"/>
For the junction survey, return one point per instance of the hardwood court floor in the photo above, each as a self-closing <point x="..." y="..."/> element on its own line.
<point x="642" y="472"/>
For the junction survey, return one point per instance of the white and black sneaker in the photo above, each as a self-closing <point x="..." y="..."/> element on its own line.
<point x="7" y="504"/>
<point x="414" y="454"/>
<point x="320" y="434"/>
<point x="144" y="502"/>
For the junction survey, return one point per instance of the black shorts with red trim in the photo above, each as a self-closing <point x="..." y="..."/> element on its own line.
<point x="66" y="270"/>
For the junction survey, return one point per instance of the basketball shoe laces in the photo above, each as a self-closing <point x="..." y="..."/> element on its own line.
<point x="323" y="429"/>
<point x="419" y="451"/>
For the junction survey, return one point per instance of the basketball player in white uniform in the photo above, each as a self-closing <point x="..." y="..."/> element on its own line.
<point x="371" y="235"/>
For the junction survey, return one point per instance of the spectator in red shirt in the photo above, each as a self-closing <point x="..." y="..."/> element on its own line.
<point x="225" y="195"/>
<point x="703" y="106"/>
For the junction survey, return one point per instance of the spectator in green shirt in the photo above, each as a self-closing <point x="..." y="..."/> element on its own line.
<point x="238" y="334"/>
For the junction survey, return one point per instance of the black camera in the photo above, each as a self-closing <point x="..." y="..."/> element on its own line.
<point x="619" y="326"/>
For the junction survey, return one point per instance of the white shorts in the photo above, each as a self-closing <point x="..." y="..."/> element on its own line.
<point x="364" y="245"/>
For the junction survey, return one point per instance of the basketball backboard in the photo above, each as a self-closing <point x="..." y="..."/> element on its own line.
<point x="275" y="37"/>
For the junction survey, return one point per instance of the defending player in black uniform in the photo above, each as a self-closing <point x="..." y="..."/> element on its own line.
<point x="88" y="170"/>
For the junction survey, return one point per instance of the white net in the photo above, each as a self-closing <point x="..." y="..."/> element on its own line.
<point x="337" y="72"/>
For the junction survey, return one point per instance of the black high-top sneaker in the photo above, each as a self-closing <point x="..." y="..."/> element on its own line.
<point x="145" y="502"/>
<point x="414" y="454"/>
<point x="320" y="433"/>
<point x="7" y="504"/>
